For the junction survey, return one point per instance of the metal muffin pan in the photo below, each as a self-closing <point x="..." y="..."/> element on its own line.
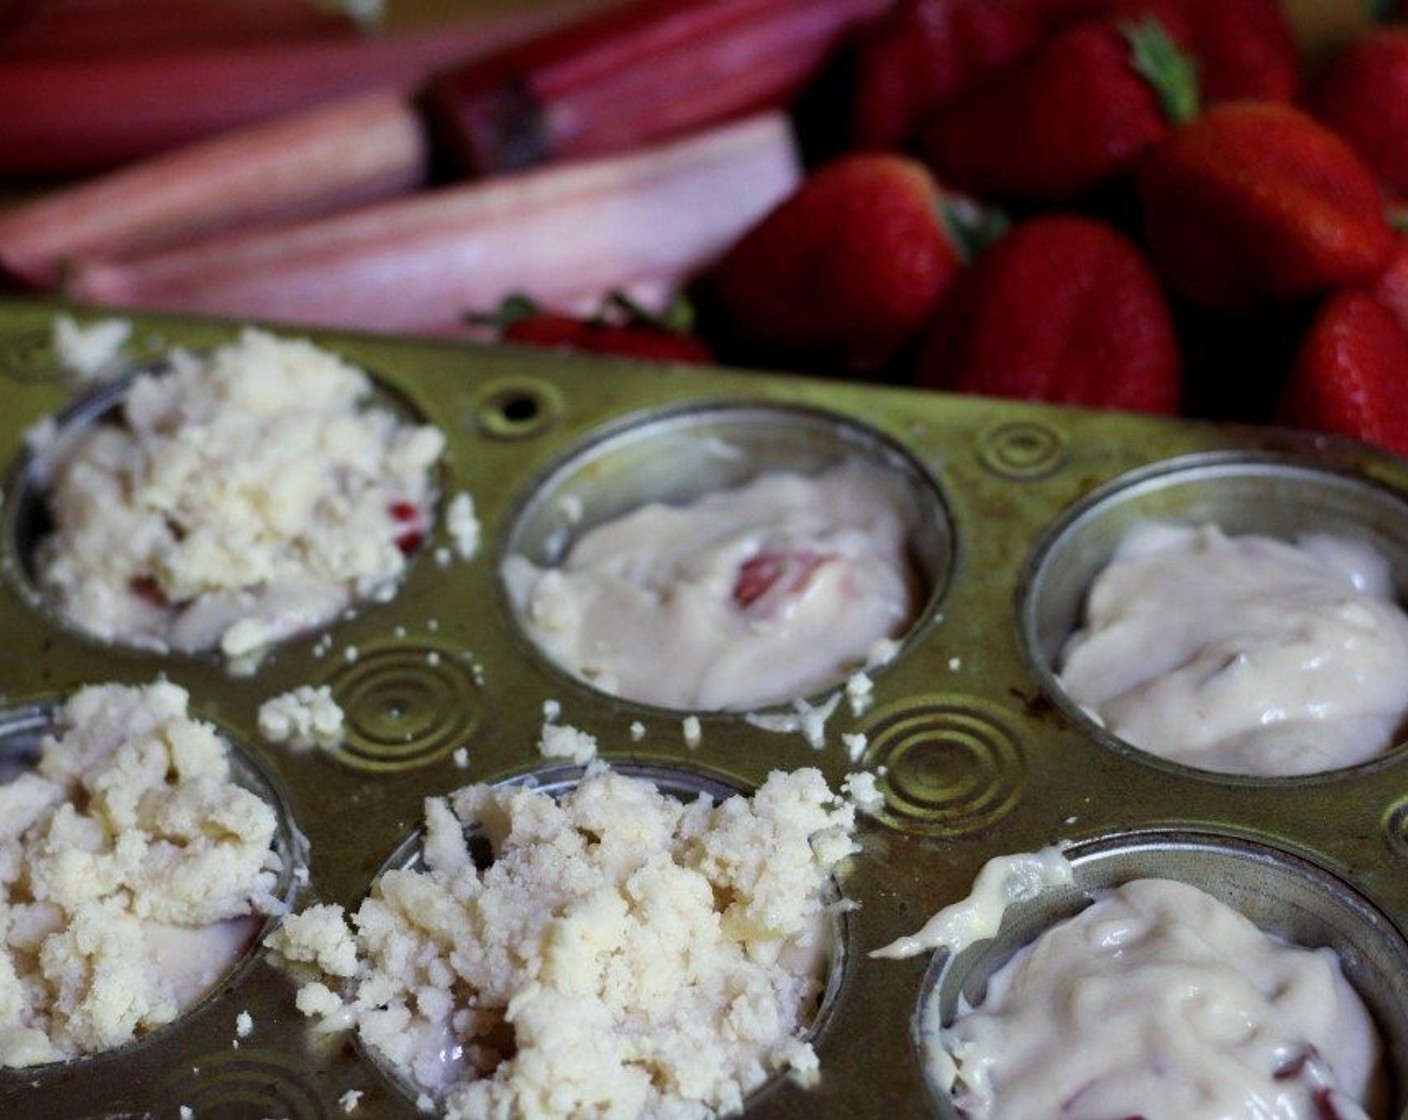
<point x="979" y="753"/>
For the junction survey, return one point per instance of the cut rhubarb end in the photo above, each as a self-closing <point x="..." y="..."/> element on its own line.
<point x="634" y="76"/>
<point x="65" y="117"/>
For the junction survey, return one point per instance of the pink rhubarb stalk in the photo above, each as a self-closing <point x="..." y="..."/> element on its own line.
<point x="93" y="28"/>
<point x="291" y="167"/>
<point x="633" y="75"/>
<point x="64" y="117"/>
<point x="417" y="265"/>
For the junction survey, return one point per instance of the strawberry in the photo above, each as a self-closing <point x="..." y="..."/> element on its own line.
<point x="1350" y="375"/>
<point x="1062" y="309"/>
<point x="621" y="328"/>
<point x="1257" y="201"/>
<point x="922" y="52"/>
<point x="1074" y="113"/>
<point x="851" y="264"/>
<point x="1362" y="94"/>
<point x="765" y="581"/>
<point x="1243" y="48"/>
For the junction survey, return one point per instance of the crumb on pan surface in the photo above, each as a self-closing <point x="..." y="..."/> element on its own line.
<point x="624" y="954"/>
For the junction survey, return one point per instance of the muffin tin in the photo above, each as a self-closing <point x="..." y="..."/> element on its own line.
<point x="978" y="752"/>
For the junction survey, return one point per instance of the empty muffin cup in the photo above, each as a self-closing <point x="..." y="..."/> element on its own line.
<point x="1234" y="614"/>
<point x="727" y="556"/>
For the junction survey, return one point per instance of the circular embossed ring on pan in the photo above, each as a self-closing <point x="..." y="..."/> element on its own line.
<point x="952" y="765"/>
<point x="1022" y="450"/>
<point x="244" y="1082"/>
<point x="404" y="707"/>
<point x="28" y="357"/>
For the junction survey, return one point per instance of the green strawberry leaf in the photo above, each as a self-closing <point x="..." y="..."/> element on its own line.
<point x="972" y="227"/>
<point x="678" y="317"/>
<point x="1173" y="73"/>
<point x="515" y="306"/>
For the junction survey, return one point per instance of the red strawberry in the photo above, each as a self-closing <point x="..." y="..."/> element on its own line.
<point x="922" y="52"/>
<point x="1257" y="201"/>
<point x="1062" y="309"/>
<point x="1072" y="114"/>
<point x="1243" y="48"/>
<point x="852" y="264"/>
<point x="621" y="329"/>
<point x="1362" y="94"/>
<point x="1350" y="376"/>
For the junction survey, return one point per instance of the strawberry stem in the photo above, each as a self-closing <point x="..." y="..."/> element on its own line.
<point x="1173" y="73"/>
<point x="972" y="227"/>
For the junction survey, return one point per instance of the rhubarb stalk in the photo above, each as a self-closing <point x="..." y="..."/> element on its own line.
<point x="292" y="167"/>
<point x="93" y="28"/>
<point x="418" y="264"/>
<point x="634" y="75"/>
<point x="74" y="116"/>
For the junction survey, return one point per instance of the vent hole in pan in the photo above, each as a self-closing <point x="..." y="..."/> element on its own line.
<point x="424" y="855"/>
<point x="518" y="409"/>
<point x="727" y="557"/>
<point x="1228" y="512"/>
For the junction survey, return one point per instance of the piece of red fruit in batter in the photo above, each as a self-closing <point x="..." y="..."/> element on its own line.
<point x="776" y="574"/>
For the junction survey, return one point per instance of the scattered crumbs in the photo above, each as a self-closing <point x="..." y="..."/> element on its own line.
<point x="304" y="718"/>
<point x="855" y="744"/>
<point x="41" y="436"/>
<point x="863" y="791"/>
<point x="432" y="658"/>
<point x="432" y="624"/>
<point x="637" y="731"/>
<point x="187" y="1113"/>
<point x="461" y="757"/>
<point x="350" y="654"/>
<point x="955" y="663"/>
<point x="350" y="1100"/>
<point x="443" y="556"/>
<point x="323" y="646"/>
<point x="300" y="875"/>
<point x="244" y="1024"/>
<point x="399" y="632"/>
<point x="552" y="710"/>
<point x="476" y="671"/>
<point x="805" y="718"/>
<point x="571" y="507"/>
<point x="860" y="690"/>
<point x="1071" y="819"/>
<point x="89" y="353"/>
<point x="882" y="653"/>
<point x="693" y="733"/>
<point x="559" y="741"/>
<point x="462" y="524"/>
<point x="425" y="1103"/>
